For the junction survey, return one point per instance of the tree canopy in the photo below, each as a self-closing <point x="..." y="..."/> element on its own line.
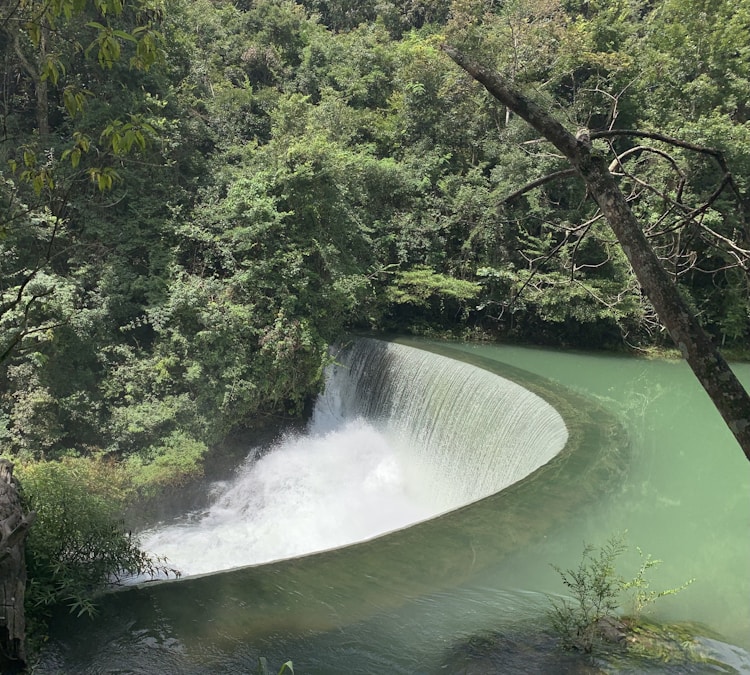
<point x="198" y="196"/>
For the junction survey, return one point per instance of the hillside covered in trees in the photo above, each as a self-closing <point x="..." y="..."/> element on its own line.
<point x="198" y="196"/>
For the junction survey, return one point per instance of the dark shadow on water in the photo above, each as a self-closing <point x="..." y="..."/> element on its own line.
<point x="525" y="648"/>
<point x="514" y="652"/>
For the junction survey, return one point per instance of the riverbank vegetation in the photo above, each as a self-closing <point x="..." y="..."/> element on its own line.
<point x="592" y="615"/>
<point x="197" y="197"/>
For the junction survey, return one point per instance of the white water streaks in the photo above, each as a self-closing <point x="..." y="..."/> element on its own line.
<point x="468" y="433"/>
<point x="400" y="435"/>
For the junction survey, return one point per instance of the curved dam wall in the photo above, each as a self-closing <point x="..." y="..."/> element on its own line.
<point x="464" y="433"/>
<point x="400" y="436"/>
<point x="449" y="418"/>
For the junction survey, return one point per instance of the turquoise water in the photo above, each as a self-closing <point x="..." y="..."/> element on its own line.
<point x="686" y="498"/>
<point x="412" y="601"/>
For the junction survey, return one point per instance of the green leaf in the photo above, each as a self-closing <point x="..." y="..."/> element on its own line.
<point x="82" y="141"/>
<point x="34" y="31"/>
<point x="124" y="35"/>
<point x="38" y="183"/>
<point x="51" y="70"/>
<point x="104" y="178"/>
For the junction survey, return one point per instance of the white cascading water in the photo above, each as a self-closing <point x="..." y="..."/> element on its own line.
<point x="400" y="435"/>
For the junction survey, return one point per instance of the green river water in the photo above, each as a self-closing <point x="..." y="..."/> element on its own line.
<point x="686" y="495"/>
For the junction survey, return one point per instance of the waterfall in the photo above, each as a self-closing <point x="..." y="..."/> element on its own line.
<point x="400" y="435"/>
<point x="466" y="431"/>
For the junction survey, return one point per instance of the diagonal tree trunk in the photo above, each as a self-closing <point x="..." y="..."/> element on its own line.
<point x="14" y="527"/>
<point x="709" y="366"/>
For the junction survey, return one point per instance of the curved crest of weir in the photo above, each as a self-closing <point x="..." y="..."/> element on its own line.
<point x="467" y="432"/>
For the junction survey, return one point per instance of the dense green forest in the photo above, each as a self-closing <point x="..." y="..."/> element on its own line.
<point x="197" y="197"/>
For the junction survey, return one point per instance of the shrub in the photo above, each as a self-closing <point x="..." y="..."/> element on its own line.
<point x="177" y="460"/>
<point x="595" y="590"/>
<point x="78" y="544"/>
<point x="598" y="592"/>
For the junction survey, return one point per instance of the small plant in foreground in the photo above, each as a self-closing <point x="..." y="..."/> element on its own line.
<point x="638" y="587"/>
<point x="78" y="545"/>
<point x="598" y="592"/>
<point x="263" y="667"/>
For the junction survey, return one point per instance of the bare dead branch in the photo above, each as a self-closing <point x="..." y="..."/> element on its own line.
<point x="677" y="142"/>
<point x="717" y="155"/>
<point x="709" y="366"/>
<point x="535" y="271"/>
<point x="557" y="175"/>
<point x="618" y="160"/>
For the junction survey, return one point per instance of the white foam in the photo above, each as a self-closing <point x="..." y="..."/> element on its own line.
<point x="438" y="434"/>
<point x="309" y="493"/>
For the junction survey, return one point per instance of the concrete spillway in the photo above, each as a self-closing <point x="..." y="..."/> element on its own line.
<point x="400" y="435"/>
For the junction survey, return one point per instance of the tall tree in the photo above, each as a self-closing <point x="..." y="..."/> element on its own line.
<point x="709" y="366"/>
<point x="55" y="55"/>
